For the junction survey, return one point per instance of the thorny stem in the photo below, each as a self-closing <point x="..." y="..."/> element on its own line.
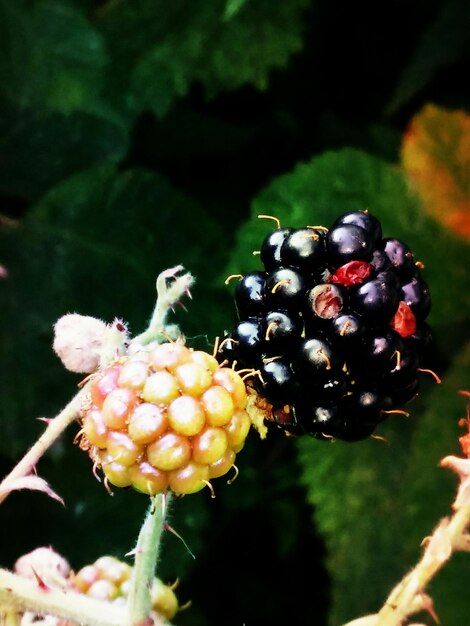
<point x="146" y="556"/>
<point x="408" y="596"/>
<point x="54" y="429"/>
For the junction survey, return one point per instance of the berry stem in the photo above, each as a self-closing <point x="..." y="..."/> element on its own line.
<point x="54" y="429"/>
<point x="146" y="556"/>
<point x="18" y="594"/>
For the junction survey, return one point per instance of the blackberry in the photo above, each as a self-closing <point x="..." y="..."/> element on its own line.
<point x="333" y="327"/>
<point x="166" y="417"/>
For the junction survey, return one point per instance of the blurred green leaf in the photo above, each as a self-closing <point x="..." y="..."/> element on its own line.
<point x="161" y="49"/>
<point x="444" y="43"/>
<point x="50" y="56"/>
<point x="94" y="245"/>
<point x="38" y="149"/>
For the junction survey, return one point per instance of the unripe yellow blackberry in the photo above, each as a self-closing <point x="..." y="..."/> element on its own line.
<point x="167" y="417"/>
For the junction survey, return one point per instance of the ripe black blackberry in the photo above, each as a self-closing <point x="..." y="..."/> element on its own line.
<point x="333" y="327"/>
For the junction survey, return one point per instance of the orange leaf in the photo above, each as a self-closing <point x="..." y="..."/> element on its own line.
<point x="436" y="157"/>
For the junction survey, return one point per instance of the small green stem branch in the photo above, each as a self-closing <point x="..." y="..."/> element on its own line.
<point x="54" y="429"/>
<point x="146" y="556"/>
<point x="167" y="297"/>
<point x="23" y="594"/>
<point x="408" y="597"/>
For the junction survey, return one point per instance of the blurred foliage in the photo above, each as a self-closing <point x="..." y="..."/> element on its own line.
<point x="135" y="135"/>
<point x="436" y="157"/>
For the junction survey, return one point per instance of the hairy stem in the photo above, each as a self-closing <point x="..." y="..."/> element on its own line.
<point x="54" y="429"/>
<point x="146" y="556"/>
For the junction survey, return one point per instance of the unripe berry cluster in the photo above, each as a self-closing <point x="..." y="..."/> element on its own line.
<point x="108" y="579"/>
<point x="333" y="327"/>
<point x="165" y="418"/>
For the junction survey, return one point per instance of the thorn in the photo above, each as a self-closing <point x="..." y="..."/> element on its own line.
<point x="462" y="392"/>
<point x="182" y="306"/>
<point x="46" y="420"/>
<point x="188" y="293"/>
<point x="171" y="530"/>
<point x="270" y="217"/>
<point x="40" y="581"/>
<point x="185" y="606"/>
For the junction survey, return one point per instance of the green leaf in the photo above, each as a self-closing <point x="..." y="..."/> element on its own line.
<point x="442" y="46"/>
<point x="94" y="245"/>
<point x="163" y="48"/>
<point x="50" y="56"/>
<point x="38" y="149"/>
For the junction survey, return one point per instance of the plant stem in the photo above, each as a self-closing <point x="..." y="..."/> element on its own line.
<point x="408" y="596"/>
<point x="24" y="594"/>
<point x="146" y="556"/>
<point x="54" y="429"/>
